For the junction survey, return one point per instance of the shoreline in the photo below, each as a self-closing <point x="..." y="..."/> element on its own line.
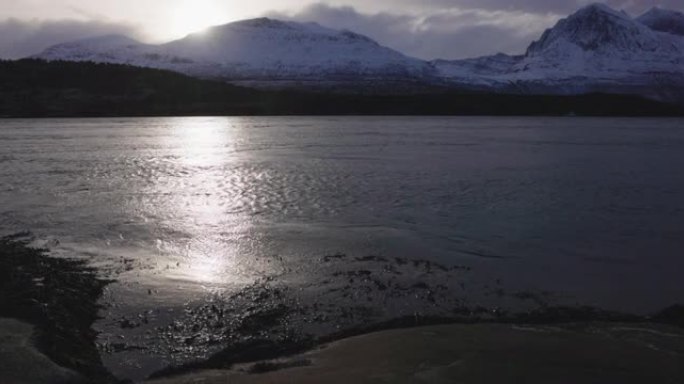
<point x="476" y="353"/>
<point x="262" y="357"/>
<point x="71" y="290"/>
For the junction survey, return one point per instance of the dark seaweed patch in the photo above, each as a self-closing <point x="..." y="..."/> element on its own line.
<point x="271" y="366"/>
<point x="59" y="297"/>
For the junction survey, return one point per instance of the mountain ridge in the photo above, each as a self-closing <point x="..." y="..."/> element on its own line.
<point x="36" y="88"/>
<point x="596" y="49"/>
<point x="260" y="49"/>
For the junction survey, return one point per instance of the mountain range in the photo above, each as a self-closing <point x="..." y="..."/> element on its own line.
<point x="596" y="49"/>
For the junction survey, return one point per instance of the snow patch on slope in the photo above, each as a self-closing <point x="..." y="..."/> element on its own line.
<point x="597" y="49"/>
<point x="258" y="50"/>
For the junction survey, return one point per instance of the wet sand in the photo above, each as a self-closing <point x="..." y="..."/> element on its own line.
<point x="57" y="300"/>
<point x="478" y="353"/>
<point x="22" y="363"/>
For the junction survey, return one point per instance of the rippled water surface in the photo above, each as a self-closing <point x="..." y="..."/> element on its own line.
<point x="182" y="209"/>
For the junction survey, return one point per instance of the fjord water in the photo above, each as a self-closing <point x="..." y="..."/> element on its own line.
<point x="588" y="210"/>
<point x="592" y="207"/>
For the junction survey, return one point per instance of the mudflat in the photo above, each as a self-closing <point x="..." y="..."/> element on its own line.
<point x="478" y="353"/>
<point x="22" y="363"/>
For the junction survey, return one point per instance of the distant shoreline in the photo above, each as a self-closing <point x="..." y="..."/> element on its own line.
<point x="35" y="89"/>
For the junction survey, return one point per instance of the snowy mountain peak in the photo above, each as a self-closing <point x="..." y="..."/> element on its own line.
<point x="600" y="9"/>
<point x="259" y="50"/>
<point x="663" y="20"/>
<point x="596" y="49"/>
<point x="278" y="29"/>
<point x="596" y="27"/>
<point x="262" y="41"/>
<point x="262" y="22"/>
<point x="268" y="25"/>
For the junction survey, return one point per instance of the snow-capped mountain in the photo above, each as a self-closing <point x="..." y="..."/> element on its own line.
<point x="262" y="51"/>
<point x="664" y="20"/>
<point x="596" y="49"/>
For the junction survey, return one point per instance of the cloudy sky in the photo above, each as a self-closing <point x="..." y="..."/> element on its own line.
<point x="427" y="29"/>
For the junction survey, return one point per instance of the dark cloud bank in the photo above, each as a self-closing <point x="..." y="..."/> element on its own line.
<point x="448" y="34"/>
<point x="562" y="7"/>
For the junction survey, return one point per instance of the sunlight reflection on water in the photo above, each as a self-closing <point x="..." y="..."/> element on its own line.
<point x="202" y="142"/>
<point x="211" y="200"/>
<point x="187" y="209"/>
<point x="203" y="148"/>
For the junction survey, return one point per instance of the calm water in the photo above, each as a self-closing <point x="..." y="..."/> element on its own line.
<point x="589" y="210"/>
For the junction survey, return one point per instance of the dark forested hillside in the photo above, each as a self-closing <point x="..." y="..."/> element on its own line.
<point x="33" y="88"/>
<point x="38" y="88"/>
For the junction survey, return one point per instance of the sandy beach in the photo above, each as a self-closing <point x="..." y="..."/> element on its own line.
<point x="478" y="353"/>
<point x="463" y="353"/>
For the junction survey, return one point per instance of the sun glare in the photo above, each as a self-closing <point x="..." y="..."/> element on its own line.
<point x="191" y="16"/>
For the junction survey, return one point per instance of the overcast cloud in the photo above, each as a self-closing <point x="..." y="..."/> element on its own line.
<point x="450" y="34"/>
<point x="423" y="28"/>
<point x="563" y="7"/>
